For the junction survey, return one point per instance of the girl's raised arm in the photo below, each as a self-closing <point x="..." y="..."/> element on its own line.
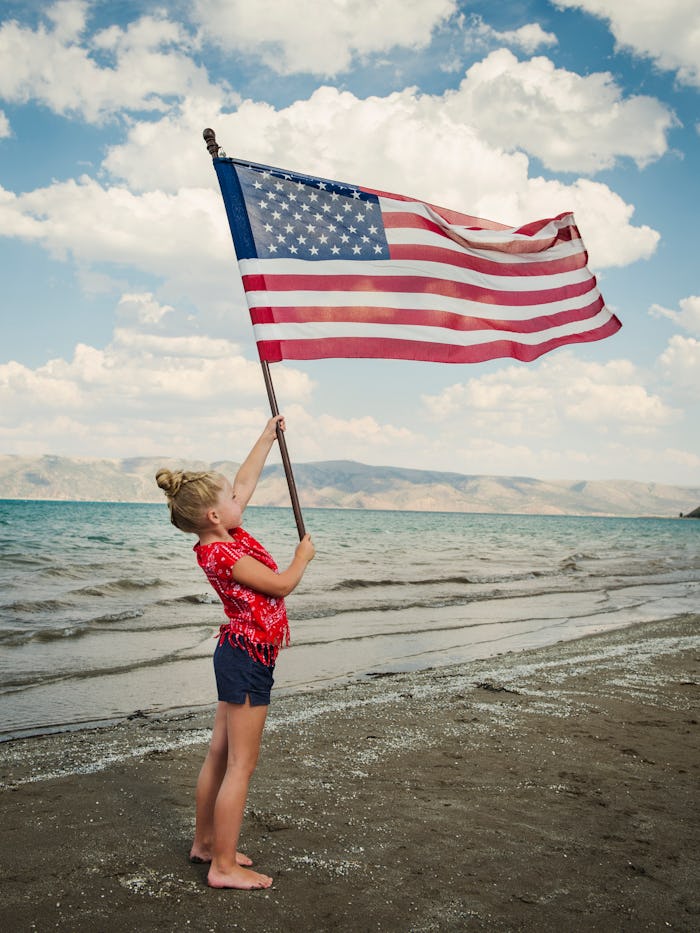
<point x="249" y="471"/>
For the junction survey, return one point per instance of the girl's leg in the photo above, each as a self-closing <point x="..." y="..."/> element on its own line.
<point x="244" y="731"/>
<point x="208" y="784"/>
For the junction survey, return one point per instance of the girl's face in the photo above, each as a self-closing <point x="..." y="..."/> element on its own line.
<point x="227" y="508"/>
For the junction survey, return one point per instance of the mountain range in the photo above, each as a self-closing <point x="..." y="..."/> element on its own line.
<point x="346" y="484"/>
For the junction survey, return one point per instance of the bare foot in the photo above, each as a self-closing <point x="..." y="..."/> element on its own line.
<point x="202" y="857"/>
<point x="243" y="879"/>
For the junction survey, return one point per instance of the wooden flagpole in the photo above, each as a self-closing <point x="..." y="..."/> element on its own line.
<point x="213" y="149"/>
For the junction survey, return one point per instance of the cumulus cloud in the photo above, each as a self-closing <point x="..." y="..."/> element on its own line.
<point x="550" y="398"/>
<point x="322" y="37"/>
<point x="182" y="237"/>
<point x="529" y="37"/>
<point x="160" y="387"/>
<point x="668" y="32"/>
<point x="142" y="66"/>
<point x="681" y="363"/>
<point x="571" y="122"/>
<point x="319" y="135"/>
<point x="688" y="317"/>
<point x="180" y="393"/>
<point x="4" y="125"/>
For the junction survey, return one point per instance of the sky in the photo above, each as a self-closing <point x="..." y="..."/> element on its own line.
<point x="124" y="328"/>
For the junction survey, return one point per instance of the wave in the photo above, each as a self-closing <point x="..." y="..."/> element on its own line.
<point x="70" y="597"/>
<point x="125" y="584"/>
<point x="363" y="583"/>
<point x="17" y="637"/>
<point x="197" y="599"/>
<point x="36" y="605"/>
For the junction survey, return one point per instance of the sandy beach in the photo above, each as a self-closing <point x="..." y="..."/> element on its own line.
<point x="546" y="790"/>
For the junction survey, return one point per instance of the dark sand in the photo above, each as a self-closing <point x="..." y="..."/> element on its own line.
<point x="549" y="790"/>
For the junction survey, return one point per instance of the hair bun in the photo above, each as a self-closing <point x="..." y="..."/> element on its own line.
<point x="169" y="482"/>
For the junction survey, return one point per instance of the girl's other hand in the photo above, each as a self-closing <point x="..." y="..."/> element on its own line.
<point x="305" y="549"/>
<point x="271" y="426"/>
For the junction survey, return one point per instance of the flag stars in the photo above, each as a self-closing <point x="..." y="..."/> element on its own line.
<point x="306" y="218"/>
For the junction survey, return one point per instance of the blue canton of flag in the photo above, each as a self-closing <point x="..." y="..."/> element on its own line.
<point x="299" y="217"/>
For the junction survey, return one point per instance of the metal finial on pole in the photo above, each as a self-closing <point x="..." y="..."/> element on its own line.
<point x="212" y="145"/>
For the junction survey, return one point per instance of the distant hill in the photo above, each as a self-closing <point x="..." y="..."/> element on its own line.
<point x="346" y="484"/>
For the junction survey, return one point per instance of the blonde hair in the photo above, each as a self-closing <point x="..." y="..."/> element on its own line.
<point x="189" y="495"/>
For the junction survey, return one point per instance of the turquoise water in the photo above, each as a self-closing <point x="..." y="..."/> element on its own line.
<point x="103" y="610"/>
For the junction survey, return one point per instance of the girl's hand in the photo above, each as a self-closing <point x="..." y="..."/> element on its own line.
<point x="305" y="549"/>
<point x="271" y="427"/>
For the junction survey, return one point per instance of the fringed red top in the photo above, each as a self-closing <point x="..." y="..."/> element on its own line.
<point x="256" y="623"/>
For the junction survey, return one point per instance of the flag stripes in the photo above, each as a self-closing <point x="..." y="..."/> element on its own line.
<point x="333" y="270"/>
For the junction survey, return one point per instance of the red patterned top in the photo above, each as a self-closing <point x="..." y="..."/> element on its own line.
<point x="257" y="623"/>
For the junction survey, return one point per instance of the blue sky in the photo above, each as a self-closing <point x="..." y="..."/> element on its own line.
<point x="124" y="327"/>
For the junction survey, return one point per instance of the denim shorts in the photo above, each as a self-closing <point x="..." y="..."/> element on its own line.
<point x="239" y="675"/>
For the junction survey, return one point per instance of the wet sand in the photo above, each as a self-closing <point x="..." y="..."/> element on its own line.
<point x="546" y="790"/>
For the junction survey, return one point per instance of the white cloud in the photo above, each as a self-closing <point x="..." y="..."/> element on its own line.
<point x="4" y="125"/>
<point x="361" y="438"/>
<point x="182" y="237"/>
<point x="319" y="135"/>
<point x="688" y="317"/>
<point x="68" y="18"/>
<point x="321" y="37"/>
<point x="668" y="32"/>
<point x="571" y="122"/>
<point x="681" y="363"/>
<point x="561" y="393"/>
<point x="142" y="308"/>
<point x="529" y="37"/>
<point x="140" y="67"/>
<point x="194" y="392"/>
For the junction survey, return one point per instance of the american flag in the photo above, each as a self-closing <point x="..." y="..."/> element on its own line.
<point x="338" y="270"/>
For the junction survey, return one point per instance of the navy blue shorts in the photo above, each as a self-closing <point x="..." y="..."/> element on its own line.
<point x="238" y="675"/>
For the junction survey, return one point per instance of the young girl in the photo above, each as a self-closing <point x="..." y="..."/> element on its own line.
<point x="252" y="591"/>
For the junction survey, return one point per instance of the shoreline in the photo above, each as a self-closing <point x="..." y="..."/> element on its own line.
<point x="288" y="685"/>
<point x="546" y="789"/>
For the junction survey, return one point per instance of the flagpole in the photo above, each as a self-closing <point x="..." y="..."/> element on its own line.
<point x="283" y="451"/>
<point x="213" y="149"/>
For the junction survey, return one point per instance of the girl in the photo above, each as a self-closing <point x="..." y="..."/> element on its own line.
<point x="252" y="591"/>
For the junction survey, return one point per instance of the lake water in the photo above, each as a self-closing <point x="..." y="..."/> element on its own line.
<point x="103" y="610"/>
